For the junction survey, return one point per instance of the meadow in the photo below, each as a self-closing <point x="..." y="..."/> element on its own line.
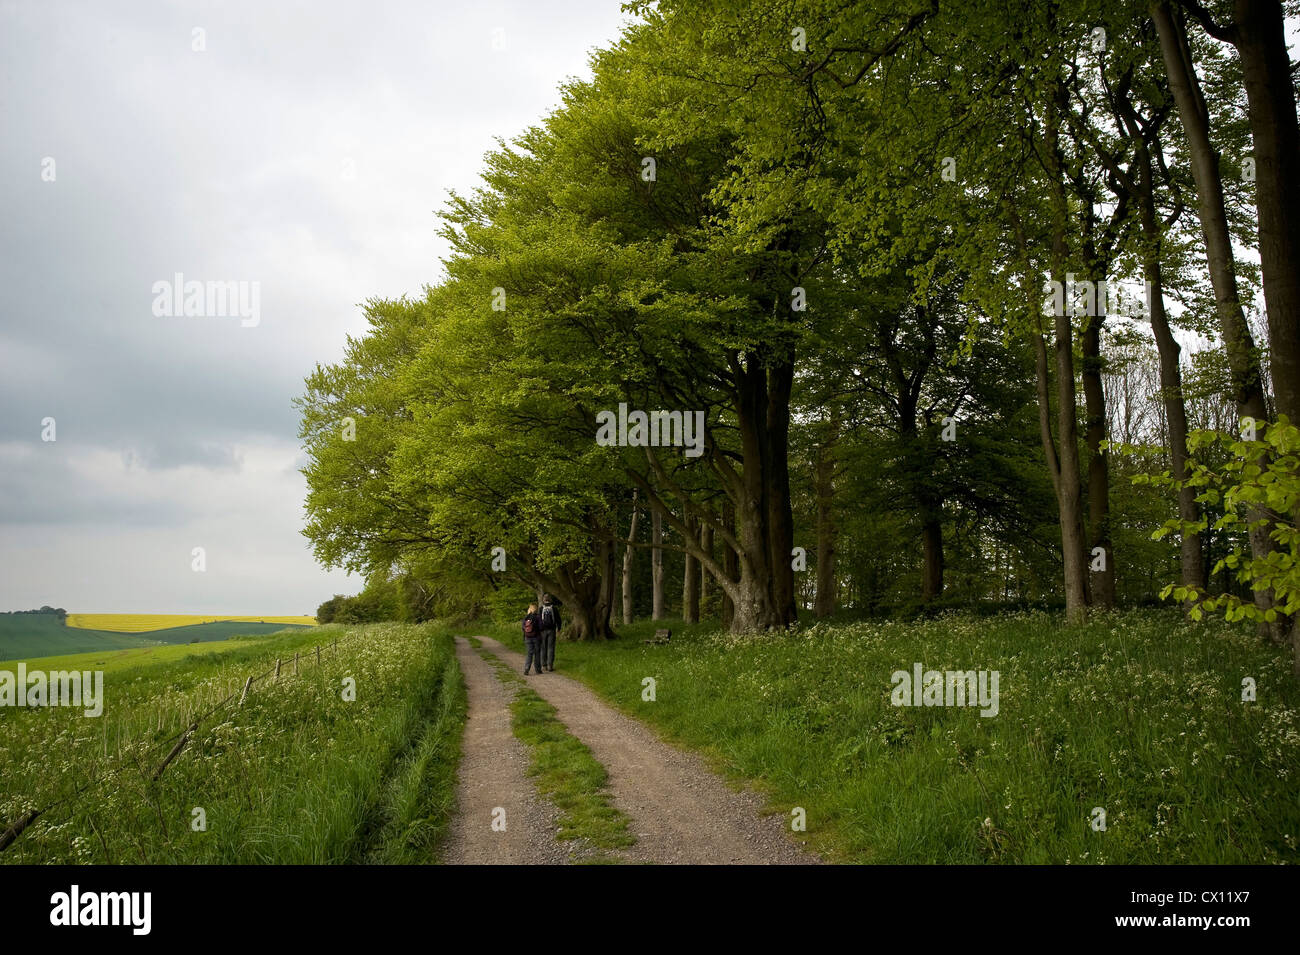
<point x="23" y="636"/>
<point x="1138" y="713"/>
<point x="28" y="635"/>
<point x="130" y="657"/>
<point x="298" y="773"/>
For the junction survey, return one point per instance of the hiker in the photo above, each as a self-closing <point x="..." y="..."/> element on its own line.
<point x="550" y="617"/>
<point x="532" y="624"/>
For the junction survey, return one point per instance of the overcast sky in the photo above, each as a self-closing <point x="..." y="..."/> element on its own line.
<point x="305" y="148"/>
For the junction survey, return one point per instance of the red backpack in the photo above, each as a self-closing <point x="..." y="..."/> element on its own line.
<point x="530" y="626"/>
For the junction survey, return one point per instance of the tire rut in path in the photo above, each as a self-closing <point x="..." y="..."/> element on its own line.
<point x="681" y="811"/>
<point x="492" y="775"/>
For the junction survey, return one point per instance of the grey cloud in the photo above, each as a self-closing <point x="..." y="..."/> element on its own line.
<point x="221" y="165"/>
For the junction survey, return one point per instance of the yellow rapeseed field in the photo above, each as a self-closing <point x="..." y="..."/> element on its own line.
<point x="143" y="622"/>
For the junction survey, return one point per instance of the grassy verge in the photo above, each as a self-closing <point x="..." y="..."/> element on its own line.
<point x="1139" y="714"/>
<point x="300" y="773"/>
<point x="564" y="770"/>
<point x="419" y="799"/>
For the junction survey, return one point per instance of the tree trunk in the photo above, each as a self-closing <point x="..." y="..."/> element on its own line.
<point x="1069" y="495"/>
<point x="762" y="585"/>
<point x="754" y="599"/>
<point x="827" y="530"/>
<point x="730" y="563"/>
<point x="586" y="598"/>
<point x="1191" y="563"/>
<point x="1266" y="70"/>
<point x="1101" y="571"/>
<point x="1239" y="345"/>
<point x="691" y="581"/>
<point x="609" y="594"/>
<point x="628" y="556"/>
<point x="1101" y="566"/>
<point x="657" y="564"/>
<point x="780" y="515"/>
<point x="931" y="557"/>
<point x="1237" y="340"/>
<point x="706" y="579"/>
<point x="920" y="456"/>
<point x="761" y="588"/>
<point x="588" y="622"/>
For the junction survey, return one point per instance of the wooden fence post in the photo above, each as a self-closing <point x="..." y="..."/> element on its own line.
<point x="318" y="654"/>
<point x="277" y="668"/>
<point x="295" y="663"/>
<point x="16" y="828"/>
<point x="180" y="745"/>
<point x="247" y="684"/>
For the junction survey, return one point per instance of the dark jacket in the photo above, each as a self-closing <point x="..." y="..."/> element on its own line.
<point x="537" y="625"/>
<point x="555" y="617"/>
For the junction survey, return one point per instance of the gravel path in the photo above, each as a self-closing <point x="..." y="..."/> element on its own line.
<point x="492" y="776"/>
<point x="681" y="812"/>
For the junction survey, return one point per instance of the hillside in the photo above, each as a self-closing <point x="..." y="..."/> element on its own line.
<point x="145" y="622"/>
<point x="24" y="635"/>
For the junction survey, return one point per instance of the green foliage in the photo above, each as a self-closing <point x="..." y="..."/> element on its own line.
<point x="326" y="611"/>
<point x="920" y="219"/>
<point x="380" y="601"/>
<point x="403" y="599"/>
<point x="509" y="603"/>
<point x="1257" y="484"/>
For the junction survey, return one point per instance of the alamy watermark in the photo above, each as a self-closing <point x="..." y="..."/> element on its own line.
<point x="36" y="688"/>
<point x="924" y="687"/>
<point x="1093" y="298"/>
<point x="178" y="298"/>
<point x="655" y="429"/>
<point x="130" y="909"/>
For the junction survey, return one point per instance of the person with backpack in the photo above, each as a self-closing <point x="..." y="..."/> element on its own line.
<point x="550" y="618"/>
<point x="532" y="624"/>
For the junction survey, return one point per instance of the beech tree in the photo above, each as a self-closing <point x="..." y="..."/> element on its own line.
<point x="870" y="248"/>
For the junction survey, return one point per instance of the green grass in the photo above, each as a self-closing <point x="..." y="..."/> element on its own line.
<point x="1139" y="713"/>
<point x="419" y="798"/>
<point x="296" y="775"/>
<point x="564" y="770"/>
<point x="24" y="635"/>
<point x="28" y="636"/>
<point x="135" y="657"/>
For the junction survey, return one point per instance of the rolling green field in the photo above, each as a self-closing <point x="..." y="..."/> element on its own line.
<point x="23" y="636"/>
<point x="31" y="634"/>
<point x="1137" y="713"/>
<point x="297" y="774"/>
<point x="130" y="657"/>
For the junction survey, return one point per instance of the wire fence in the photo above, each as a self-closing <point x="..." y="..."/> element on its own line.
<point x="177" y="741"/>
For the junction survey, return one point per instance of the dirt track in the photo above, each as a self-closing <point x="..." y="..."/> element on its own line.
<point x="492" y="777"/>
<point x="681" y="812"/>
